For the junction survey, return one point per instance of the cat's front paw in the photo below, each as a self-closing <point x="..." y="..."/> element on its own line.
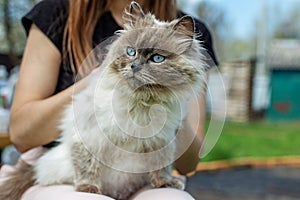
<point x="89" y="188"/>
<point x="169" y="182"/>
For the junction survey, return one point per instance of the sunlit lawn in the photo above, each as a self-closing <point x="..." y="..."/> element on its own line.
<point x="257" y="139"/>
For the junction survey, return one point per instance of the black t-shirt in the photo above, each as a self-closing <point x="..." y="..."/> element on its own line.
<point x="50" y="17"/>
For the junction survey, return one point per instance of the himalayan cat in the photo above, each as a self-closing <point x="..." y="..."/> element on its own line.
<point x="118" y="134"/>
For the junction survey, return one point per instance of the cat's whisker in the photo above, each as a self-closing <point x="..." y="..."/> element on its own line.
<point x="153" y="90"/>
<point x="148" y="78"/>
<point x="150" y="90"/>
<point x="124" y="70"/>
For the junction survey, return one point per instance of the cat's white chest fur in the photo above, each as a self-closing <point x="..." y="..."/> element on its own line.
<point x="119" y="142"/>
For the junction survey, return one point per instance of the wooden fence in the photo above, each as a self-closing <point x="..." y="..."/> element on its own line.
<point x="238" y="78"/>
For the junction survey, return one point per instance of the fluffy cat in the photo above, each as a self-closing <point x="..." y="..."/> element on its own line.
<point x="118" y="134"/>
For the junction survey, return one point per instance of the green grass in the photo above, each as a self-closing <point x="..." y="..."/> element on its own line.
<point x="257" y="139"/>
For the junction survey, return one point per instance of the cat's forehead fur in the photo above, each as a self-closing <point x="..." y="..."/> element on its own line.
<point x="148" y="32"/>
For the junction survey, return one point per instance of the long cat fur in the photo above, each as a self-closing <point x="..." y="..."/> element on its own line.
<point x="85" y="159"/>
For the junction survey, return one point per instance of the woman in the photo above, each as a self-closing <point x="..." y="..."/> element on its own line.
<point x="60" y="35"/>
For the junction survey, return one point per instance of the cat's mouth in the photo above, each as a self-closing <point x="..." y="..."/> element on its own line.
<point x="152" y="86"/>
<point x="138" y="84"/>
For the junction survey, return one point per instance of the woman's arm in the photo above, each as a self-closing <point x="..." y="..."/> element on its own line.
<point x="192" y="126"/>
<point x="35" y="112"/>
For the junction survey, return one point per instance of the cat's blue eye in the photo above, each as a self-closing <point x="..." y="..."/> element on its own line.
<point x="158" y="58"/>
<point x="130" y="51"/>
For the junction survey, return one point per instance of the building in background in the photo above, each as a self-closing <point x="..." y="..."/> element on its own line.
<point x="283" y="62"/>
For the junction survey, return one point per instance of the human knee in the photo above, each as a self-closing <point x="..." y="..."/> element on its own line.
<point x="164" y="193"/>
<point x="59" y="192"/>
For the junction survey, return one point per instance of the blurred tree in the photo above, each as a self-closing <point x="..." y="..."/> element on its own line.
<point x="181" y="3"/>
<point x="217" y="21"/>
<point x="12" y="36"/>
<point x="240" y="49"/>
<point x="213" y="15"/>
<point x="228" y="46"/>
<point x="8" y="36"/>
<point x="288" y="27"/>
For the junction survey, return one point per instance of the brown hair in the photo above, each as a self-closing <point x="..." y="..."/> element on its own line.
<point x="77" y="42"/>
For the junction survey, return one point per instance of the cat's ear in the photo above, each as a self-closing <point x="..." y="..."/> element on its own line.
<point x="136" y="11"/>
<point x="186" y="26"/>
<point x="132" y="13"/>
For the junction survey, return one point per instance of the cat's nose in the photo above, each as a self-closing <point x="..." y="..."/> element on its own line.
<point x="134" y="67"/>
